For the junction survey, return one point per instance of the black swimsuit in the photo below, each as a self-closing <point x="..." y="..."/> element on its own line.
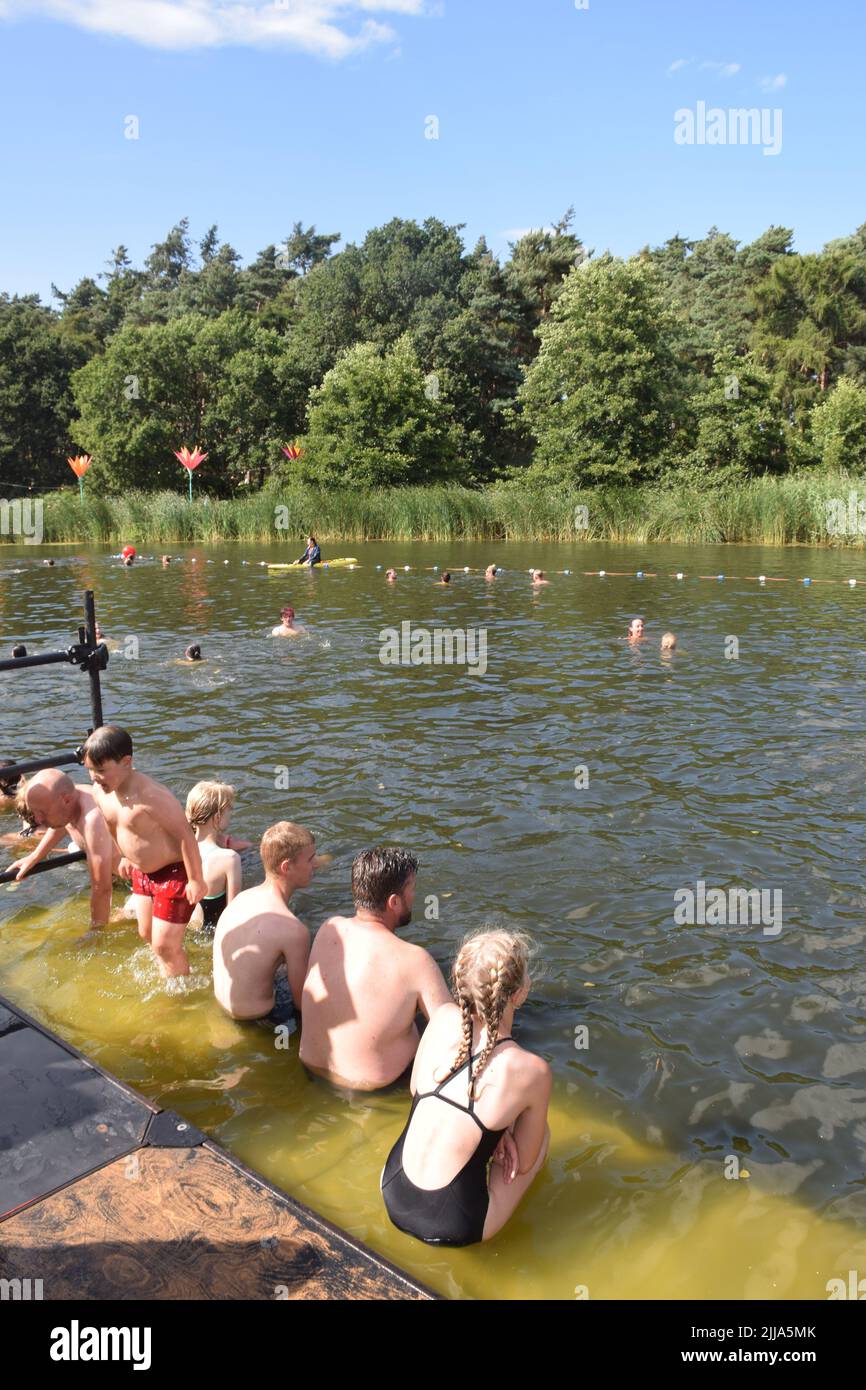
<point x="451" y="1215"/>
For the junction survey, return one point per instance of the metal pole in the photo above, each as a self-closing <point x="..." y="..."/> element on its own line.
<point x="16" y="770"/>
<point x="57" y="862"/>
<point x="16" y="663"/>
<point x="90" y="636"/>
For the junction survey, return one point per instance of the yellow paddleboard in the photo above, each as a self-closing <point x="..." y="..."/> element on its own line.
<point x="325" y="565"/>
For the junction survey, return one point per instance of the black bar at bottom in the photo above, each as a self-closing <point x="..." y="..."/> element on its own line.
<point x="57" y="861"/>
<point x="9" y="774"/>
<point x="16" y="663"/>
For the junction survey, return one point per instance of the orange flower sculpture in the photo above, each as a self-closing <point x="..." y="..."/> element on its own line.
<point x="79" y="466"/>
<point x="190" y="458"/>
<point x="292" y="451"/>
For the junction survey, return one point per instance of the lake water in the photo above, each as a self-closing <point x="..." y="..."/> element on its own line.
<point x="707" y="1043"/>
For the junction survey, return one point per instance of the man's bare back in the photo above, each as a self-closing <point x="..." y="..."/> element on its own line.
<point x="363" y="990"/>
<point x="255" y="934"/>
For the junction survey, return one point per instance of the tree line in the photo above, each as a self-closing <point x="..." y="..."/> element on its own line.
<point x="410" y="359"/>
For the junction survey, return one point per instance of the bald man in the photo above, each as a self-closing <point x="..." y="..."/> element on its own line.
<point x="63" y="807"/>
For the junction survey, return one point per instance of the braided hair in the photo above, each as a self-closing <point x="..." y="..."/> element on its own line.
<point x="490" y="968"/>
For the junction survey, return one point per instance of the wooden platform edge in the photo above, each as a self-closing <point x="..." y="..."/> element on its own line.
<point x="304" y="1214"/>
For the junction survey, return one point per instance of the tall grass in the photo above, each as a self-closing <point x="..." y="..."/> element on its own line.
<point x="766" y="511"/>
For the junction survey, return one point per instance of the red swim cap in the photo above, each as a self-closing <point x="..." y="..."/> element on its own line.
<point x="128" y="550"/>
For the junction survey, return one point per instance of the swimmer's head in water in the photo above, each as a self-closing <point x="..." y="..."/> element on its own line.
<point x="383" y="880"/>
<point x="635" y="627"/>
<point x="208" y="801"/>
<point x="193" y="652"/>
<point x="8" y="788"/>
<point x="537" y="575"/>
<point x="287" y="614"/>
<point x="490" y="572"/>
<point x="48" y="562"/>
<point x="108" y="756"/>
<point x="669" y="641"/>
<point x="166" y="560"/>
<point x="19" y="650"/>
<point x="391" y="574"/>
<point x="490" y="971"/>
<point x="289" y="850"/>
<point x="446" y="578"/>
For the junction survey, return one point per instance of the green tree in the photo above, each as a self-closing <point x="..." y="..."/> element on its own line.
<point x="226" y="384"/>
<point x="839" y="427"/>
<point x="600" y="398"/>
<point x="811" y="314"/>
<point x="373" y="423"/>
<point x="35" y="397"/>
<point x="739" y="431"/>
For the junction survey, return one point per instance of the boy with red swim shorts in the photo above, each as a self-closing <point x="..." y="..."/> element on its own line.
<point x="157" y="844"/>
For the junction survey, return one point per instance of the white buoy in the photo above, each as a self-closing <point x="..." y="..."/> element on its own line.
<point x="406" y="568"/>
<point x="680" y="575"/>
<point x="566" y="571"/>
<point x="602" y="573"/>
<point x="853" y="583"/>
<point x="465" y="569"/>
<point x="762" y="579"/>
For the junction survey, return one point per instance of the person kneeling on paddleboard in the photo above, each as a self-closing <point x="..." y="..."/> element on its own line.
<point x="312" y="555"/>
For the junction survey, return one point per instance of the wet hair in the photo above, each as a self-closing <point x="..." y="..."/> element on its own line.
<point x="193" y="652"/>
<point x="377" y="873"/>
<point x="669" y="640"/>
<point x="8" y="786"/>
<point x="489" y="969"/>
<point x="19" y="649"/>
<point x="285" y="840"/>
<point x="208" y="799"/>
<point x="446" y="578"/>
<point x="108" y="745"/>
<point x="287" y="612"/>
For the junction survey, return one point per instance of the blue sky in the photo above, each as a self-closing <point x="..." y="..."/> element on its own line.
<point x="257" y="113"/>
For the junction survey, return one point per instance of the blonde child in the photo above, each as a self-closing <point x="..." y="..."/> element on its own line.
<point x="208" y="809"/>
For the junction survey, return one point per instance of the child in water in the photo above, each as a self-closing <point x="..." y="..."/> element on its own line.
<point x="669" y="643"/>
<point x="208" y="809"/>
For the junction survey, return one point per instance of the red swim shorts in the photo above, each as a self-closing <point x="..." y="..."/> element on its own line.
<point x="167" y="887"/>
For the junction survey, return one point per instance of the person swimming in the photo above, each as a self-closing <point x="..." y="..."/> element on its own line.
<point x="312" y="555"/>
<point x="490" y="572"/>
<point x="165" y="561"/>
<point x="669" y="642"/>
<point x="435" y="1183"/>
<point x="49" y="563"/>
<point x="209" y="807"/>
<point x="193" y="652"/>
<point x="636" y="630"/>
<point x="446" y="578"/>
<point x="538" y="578"/>
<point x="288" y="627"/>
<point x="19" y="650"/>
<point x="391" y="576"/>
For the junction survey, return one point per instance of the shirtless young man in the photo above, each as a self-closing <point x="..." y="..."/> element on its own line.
<point x="288" y="627"/>
<point x="55" y="803"/>
<point x="257" y="932"/>
<point x="158" y="845"/>
<point x="365" y="986"/>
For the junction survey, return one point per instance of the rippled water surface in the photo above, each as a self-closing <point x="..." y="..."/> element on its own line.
<point x="706" y="1042"/>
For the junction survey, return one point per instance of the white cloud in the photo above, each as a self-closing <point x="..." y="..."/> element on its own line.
<point x="723" y="69"/>
<point x="322" y="27"/>
<point x="679" y="63"/>
<point x="774" y="84"/>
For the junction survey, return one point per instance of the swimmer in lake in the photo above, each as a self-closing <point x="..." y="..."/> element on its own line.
<point x="288" y="627"/>
<point x="19" y="650"/>
<point x="490" y="572"/>
<point x="193" y="652"/>
<point x="446" y="579"/>
<point x="166" y="561"/>
<point x="436" y="1183"/>
<point x="538" y="579"/>
<point x="669" y="643"/>
<point x="391" y="576"/>
<point x="208" y="809"/>
<point x="48" y="562"/>
<point x="635" y="630"/>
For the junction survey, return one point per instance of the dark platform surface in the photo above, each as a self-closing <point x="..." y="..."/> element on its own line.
<point x="103" y="1196"/>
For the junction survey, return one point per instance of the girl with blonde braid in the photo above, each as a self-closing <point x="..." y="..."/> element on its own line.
<point x="456" y="1174"/>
